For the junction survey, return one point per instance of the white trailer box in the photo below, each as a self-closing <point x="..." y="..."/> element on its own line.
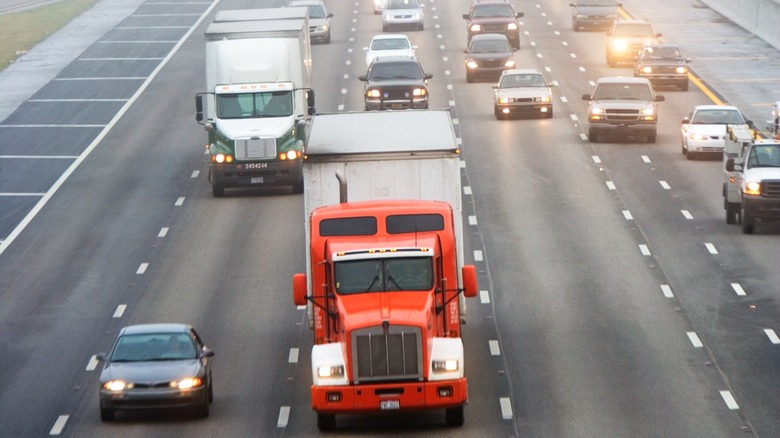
<point x="298" y="13"/>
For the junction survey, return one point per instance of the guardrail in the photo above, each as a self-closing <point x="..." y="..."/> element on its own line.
<point x="759" y="17"/>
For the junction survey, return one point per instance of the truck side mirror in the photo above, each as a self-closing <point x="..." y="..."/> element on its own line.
<point x="659" y="98"/>
<point x="519" y="15"/>
<point x="299" y="289"/>
<point x="310" y="101"/>
<point x="730" y="167"/>
<point x="199" y="108"/>
<point x="586" y="97"/>
<point x="469" y="273"/>
<point x="686" y="120"/>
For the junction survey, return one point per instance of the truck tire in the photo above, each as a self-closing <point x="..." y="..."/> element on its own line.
<point x="217" y="191"/>
<point x="732" y="212"/>
<point x="684" y="85"/>
<point x="549" y="113"/>
<point x="326" y="422"/>
<point x="297" y="188"/>
<point x="593" y="136"/>
<point x="748" y="223"/>
<point x="454" y="416"/>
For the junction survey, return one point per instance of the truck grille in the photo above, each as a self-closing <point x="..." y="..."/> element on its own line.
<point x="622" y="115"/>
<point x="487" y="28"/>
<point x="387" y="356"/>
<point x="771" y="189"/>
<point x="254" y="148"/>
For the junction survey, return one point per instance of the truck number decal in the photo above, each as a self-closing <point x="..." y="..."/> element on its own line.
<point x="255" y="165"/>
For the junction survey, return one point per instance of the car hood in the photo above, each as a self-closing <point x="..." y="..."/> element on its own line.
<point x="401" y="11"/>
<point x="596" y="9"/>
<point x="318" y="21"/>
<point x="151" y="372"/>
<point x="761" y="173"/>
<point x="665" y="61"/>
<point x="708" y="130"/>
<point x="623" y="104"/>
<point x="492" y="20"/>
<point x="266" y="126"/>
<point x="395" y="82"/>
<point x="522" y="92"/>
<point x="489" y="55"/>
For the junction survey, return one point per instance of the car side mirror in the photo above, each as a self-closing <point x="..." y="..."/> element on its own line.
<point x="465" y="51"/>
<point x="363" y="78"/>
<point x="428" y="76"/>
<point x="750" y="124"/>
<point x="686" y="120"/>
<point x="572" y="5"/>
<point x="659" y="35"/>
<point x="519" y="15"/>
<point x="586" y="97"/>
<point x="659" y="98"/>
<point x="101" y="357"/>
<point x="330" y="14"/>
<point x="466" y="16"/>
<point x="688" y="60"/>
<point x="207" y="353"/>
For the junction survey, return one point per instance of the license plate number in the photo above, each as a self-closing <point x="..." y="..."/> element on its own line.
<point x="257" y="180"/>
<point x="397" y="106"/>
<point x="388" y="405"/>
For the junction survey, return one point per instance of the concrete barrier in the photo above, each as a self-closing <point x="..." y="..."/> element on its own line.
<point x="759" y="17"/>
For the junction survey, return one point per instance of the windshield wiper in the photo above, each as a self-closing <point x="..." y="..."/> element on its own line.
<point x="373" y="282"/>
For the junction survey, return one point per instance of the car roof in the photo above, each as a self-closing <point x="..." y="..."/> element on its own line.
<point x="715" y="107"/>
<point x="481" y="2"/>
<point x="390" y="36"/>
<point x="623" y="80"/>
<point x="489" y="36"/>
<point x="521" y="71"/>
<point x="154" y="328"/>
<point x="395" y="58"/>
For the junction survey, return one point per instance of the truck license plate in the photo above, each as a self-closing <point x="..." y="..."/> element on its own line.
<point x="387" y="405"/>
<point x="397" y="106"/>
<point x="257" y="180"/>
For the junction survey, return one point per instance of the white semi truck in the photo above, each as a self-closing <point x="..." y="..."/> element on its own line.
<point x="258" y="101"/>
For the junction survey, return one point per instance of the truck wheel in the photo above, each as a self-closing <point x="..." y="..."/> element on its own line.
<point x="732" y="213"/>
<point x="106" y="414"/>
<point x="217" y="191"/>
<point x="469" y="78"/>
<point x="326" y="422"/>
<point x="747" y="223"/>
<point x="593" y="136"/>
<point x="454" y="416"/>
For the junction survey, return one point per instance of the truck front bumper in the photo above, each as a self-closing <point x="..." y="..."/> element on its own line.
<point x="763" y="209"/>
<point x="389" y="396"/>
<point x="624" y="128"/>
<point x="256" y="174"/>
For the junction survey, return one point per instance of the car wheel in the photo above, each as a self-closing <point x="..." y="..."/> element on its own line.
<point x="326" y="422"/>
<point x="211" y="390"/>
<point x="593" y="136"/>
<point x="421" y="26"/>
<point x="454" y="416"/>
<point x="202" y="411"/>
<point x="748" y="223"/>
<point x="690" y="155"/>
<point x="683" y="148"/>
<point x="106" y="414"/>
<point x="732" y="212"/>
<point x="327" y="38"/>
<point x="469" y="78"/>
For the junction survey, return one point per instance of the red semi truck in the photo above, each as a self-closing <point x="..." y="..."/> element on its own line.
<point x="385" y="281"/>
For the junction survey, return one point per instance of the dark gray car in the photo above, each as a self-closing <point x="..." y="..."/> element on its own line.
<point x="593" y="14"/>
<point x="155" y="366"/>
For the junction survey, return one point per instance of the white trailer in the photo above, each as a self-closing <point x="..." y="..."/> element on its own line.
<point x="410" y="154"/>
<point x="294" y="13"/>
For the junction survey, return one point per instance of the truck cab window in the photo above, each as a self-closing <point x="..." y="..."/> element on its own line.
<point x="249" y="105"/>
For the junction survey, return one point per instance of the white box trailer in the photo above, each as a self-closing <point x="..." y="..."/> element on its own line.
<point x="409" y="154"/>
<point x="293" y="13"/>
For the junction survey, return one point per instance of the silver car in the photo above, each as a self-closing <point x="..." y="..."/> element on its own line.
<point x="319" y="19"/>
<point x="153" y="366"/>
<point x="402" y="14"/>
<point x="522" y="92"/>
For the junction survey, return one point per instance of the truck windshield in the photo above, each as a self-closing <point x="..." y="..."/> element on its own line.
<point x="383" y="275"/>
<point x="623" y="92"/>
<point x="252" y="105"/>
<point x="764" y="156"/>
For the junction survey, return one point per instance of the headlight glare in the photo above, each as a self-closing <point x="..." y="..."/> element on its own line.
<point x="510" y="64"/>
<point x="117" y="385"/>
<point x="188" y="383"/>
<point x="511" y="26"/>
<point x="329" y="371"/>
<point x="753" y="188"/>
<point x="647" y="69"/>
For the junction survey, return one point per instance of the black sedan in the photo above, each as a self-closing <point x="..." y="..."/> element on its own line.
<point x="155" y="366"/>
<point x="487" y="56"/>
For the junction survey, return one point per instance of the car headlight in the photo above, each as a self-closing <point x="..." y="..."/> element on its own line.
<point x="419" y="92"/>
<point x="681" y="70"/>
<point x="373" y="93"/>
<point x="620" y="45"/>
<point x="417" y="16"/>
<point x="472" y="64"/>
<point x="752" y="188"/>
<point x="323" y="28"/>
<point x="476" y="28"/>
<point x="647" y="69"/>
<point x="444" y="365"/>
<point x="511" y="26"/>
<point x="510" y="63"/>
<point x="543" y="99"/>
<point x="596" y="110"/>
<point x="504" y="100"/>
<point x="117" y="385"/>
<point x="648" y="111"/>
<point x="330" y="371"/>
<point x="697" y="137"/>
<point x="188" y="383"/>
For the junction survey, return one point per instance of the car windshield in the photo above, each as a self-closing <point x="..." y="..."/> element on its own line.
<point x="402" y="4"/>
<point x="717" y="117"/>
<point x="383" y="275"/>
<point x="253" y="105"/>
<point x="623" y="92"/>
<point x="522" y="80"/>
<point x="154" y="347"/>
<point x="489" y="46"/>
<point x="634" y="29"/>
<point x="499" y="10"/>
<point x="661" y="53"/>
<point x="764" y="156"/>
<point x="390" y="44"/>
<point x="396" y="70"/>
<point x="316" y="11"/>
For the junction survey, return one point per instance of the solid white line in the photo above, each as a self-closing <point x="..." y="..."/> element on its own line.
<point x="142" y="268"/>
<point x="136" y="42"/>
<point x="644" y="249"/>
<point x="472" y="220"/>
<point x="120" y="59"/>
<point x="22" y="194"/>
<point x="494" y="350"/>
<point x="738" y="289"/>
<point x="687" y="214"/>
<point x="729" y="399"/>
<point x="106" y="128"/>
<point x="506" y="408"/>
<point x="77" y="100"/>
<point x="293" y="357"/>
<point x="284" y="416"/>
<point x="610" y="185"/>
<point x="54" y="126"/>
<point x="59" y="425"/>
<point x="627" y="215"/>
<point x="180" y="201"/>
<point x="120" y="78"/>
<point x="92" y="364"/>
<point x="152" y="27"/>
<point x="478" y="255"/>
<point x="667" y="291"/>
<point x="711" y="248"/>
<point x="695" y="339"/>
<point x="484" y="297"/>
<point x="772" y="336"/>
<point x="163" y="232"/>
<point x="120" y="310"/>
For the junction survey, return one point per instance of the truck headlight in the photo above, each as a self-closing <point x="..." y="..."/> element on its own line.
<point x="289" y="155"/>
<point x="330" y="371"/>
<point x="419" y="92"/>
<point x="471" y="64"/>
<point x="752" y="188"/>
<point x="510" y="63"/>
<point x="511" y="26"/>
<point x="373" y="93"/>
<point x="681" y="70"/>
<point x="648" y="111"/>
<point x="620" y="45"/>
<point x="476" y="28"/>
<point x="647" y="69"/>
<point x="444" y="365"/>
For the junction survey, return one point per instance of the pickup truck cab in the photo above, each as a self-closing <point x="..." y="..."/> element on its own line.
<point x="758" y="176"/>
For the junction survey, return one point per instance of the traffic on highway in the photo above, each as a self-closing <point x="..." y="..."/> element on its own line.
<point x="379" y="226"/>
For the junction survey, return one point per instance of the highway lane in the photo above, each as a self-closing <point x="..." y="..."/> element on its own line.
<point x="590" y="346"/>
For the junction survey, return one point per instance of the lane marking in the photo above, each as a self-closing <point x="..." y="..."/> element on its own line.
<point x="59" y="425"/>
<point x="163" y="232"/>
<point x="610" y="185"/>
<point x="39" y="157"/>
<point x="687" y="214"/>
<point x="142" y="268"/>
<point x="93" y="363"/>
<point x="711" y="248"/>
<point x="729" y="399"/>
<point x="195" y="174"/>
<point x="738" y="289"/>
<point x="478" y="255"/>
<point x="180" y="201"/>
<point x="494" y="350"/>
<point x="466" y="190"/>
<point x="772" y="336"/>
<point x="120" y="310"/>
<point x="627" y="215"/>
<point x="695" y="339"/>
<point x="484" y="297"/>
<point x="284" y="416"/>
<point x="293" y="357"/>
<point x="472" y="220"/>
<point x="665" y="185"/>
<point x="667" y="290"/>
<point x="646" y="159"/>
<point x="506" y="408"/>
<point x="644" y="249"/>
<point x="596" y="159"/>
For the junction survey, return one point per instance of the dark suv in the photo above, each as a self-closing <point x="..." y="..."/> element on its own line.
<point x="395" y="82"/>
<point x="493" y="16"/>
<point x="663" y="64"/>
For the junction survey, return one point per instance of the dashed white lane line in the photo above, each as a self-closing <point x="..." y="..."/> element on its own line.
<point x="665" y="185"/>
<point x="646" y="159"/>
<point x="179" y="201"/>
<point x="466" y="190"/>
<point x="711" y="248"/>
<point x="687" y="214"/>
<point x="738" y="289"/>
<point x="472" y="220"/>
<point x="195" y="174"/>
<point x="644" y="249"/>
<point x="484" y="297"/>
<point x="461" y="163"/>
<point x="301" y="307"/>
<point x="695" y="339"/>
<point x="284" y="417"/>
<point x="627" y="215"/>
<point x="92" y="364"/>
<point x="478" y="255"/>
<point x="142" y="268"/>
<point x="596" y="159"/>
<point x="610" y="185"/>
<point x="59" y="425"/>
<point x="573" y="117"/>
<point x="494" y="350"/>
<point x="667" y="290"/>
<point x="293" y="357"/>
<point x="729" y="399"/>
<point x="163" y="232"/>
<point x="772" y="336"/>
<point x="120" y="310"/>
<point x="506" y="408"/>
